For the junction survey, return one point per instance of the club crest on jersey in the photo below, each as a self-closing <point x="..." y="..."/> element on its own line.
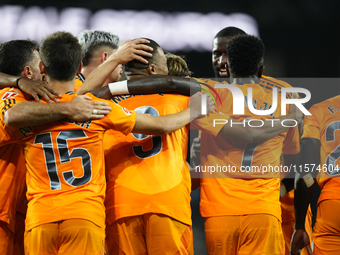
<point x="9" y="94"/>
<point x="126" y="111"/>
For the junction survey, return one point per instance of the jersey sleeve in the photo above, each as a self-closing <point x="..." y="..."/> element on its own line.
<point x="9" y="97"/>
<point x="311" y="124"/>
<point x="120" y="118"/>
<point x="212" y="123"/>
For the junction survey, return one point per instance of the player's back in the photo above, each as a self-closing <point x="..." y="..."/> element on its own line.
<point x="252" y="184"/>
<point x="148" y="174"/>
<point x="323" y="124"/>
<point x="269" y="83"/>
<point x="65" y="164"/>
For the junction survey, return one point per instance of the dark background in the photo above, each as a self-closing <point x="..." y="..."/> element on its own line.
<point x="301" y="37"/>
<point x="302" y="40"/>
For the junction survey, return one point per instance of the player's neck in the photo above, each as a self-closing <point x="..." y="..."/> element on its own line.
<point x="134" y="75"/>
<point x="86" y="70"/>
<point x="244" y="80"/>
<point x="61" y="87"/>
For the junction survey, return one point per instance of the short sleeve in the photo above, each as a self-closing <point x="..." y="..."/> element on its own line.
<point x="311" y="124"/>
<point x="123" y="120"/>
<point x="9" y="97"/>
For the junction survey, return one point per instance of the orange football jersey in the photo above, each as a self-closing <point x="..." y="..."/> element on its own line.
<point x="12" y="172"/>
<point x="324" y="125"/>
<point x="12" y="182"/>
<point x="148" y="174"/>
<point x="79" y="81"/>
<point x="246" y="177"/>
<point x="65" y="164"/>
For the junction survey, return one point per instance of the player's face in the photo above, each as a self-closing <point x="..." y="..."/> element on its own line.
<point x="35" y="66"/>
<point x="161" y="66"/>
<point x="116" y="73"/>
<point x="219" y="56"/>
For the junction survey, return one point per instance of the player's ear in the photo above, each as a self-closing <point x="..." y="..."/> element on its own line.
<point x="104" y="56"/>
<point x="80" y="67"/>
<point x="27" y="72"/>
<point x="152" y="69"/>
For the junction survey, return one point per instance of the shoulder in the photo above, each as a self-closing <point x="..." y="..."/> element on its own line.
<point x="10" y="93"/>
<point x="274" y="82"/>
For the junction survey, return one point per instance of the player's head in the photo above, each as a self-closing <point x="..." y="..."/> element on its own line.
<point x="177" y="66"/>
<point x="219" y="53"/>
<point x="245" y="56"/>
<point x="60" y="55"/>
<point x="20" y="58"/>
<point x="96" y="42"/>
<point x="97" y="46"/>
<point x="156" y="63"/>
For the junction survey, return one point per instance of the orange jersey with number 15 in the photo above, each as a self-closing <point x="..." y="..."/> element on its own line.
<point x="65" y="164"/>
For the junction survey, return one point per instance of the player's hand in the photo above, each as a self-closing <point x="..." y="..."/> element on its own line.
<point x="295" y="111"/>
<point x="37" y="88"/>
<point x="300" y="239"/>
<point x="132" y="50"/>
<point x="195" y="105"/>
<point x="82" y="109"/>
<point x="195" y="151"/>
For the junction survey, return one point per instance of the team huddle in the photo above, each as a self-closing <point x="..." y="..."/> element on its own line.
<point x="102" y="169"/>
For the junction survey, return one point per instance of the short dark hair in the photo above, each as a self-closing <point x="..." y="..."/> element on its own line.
<point x="229" y="31"/>
<point x="135" y="65"/>
<point x="15" y="55"/>
<point x="245" y="53"/>
<point x="91" y="40"/>
<point x="60" y="53"/>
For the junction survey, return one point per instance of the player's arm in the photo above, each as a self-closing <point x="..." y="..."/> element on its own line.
<point x="287" y="183"/>
<point x="166" y="124"/>
<point x="194" y="177"/>
<point x="35" y="88"/>
<point x="127" y="51"/>
<point x="270" y="128"/>
<point x="80" y="108"/>
<point x="151" y="84"/>
<point x="310" y="150"/>
<point x="195" y="152"/>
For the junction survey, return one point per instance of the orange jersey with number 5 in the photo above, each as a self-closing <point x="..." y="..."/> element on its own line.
<point x="148" y="174"/>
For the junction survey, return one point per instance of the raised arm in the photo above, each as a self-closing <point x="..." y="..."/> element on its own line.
<point x="127" y="51"/>
<point x="35" y="88"/>
<point x="81" y="108"/>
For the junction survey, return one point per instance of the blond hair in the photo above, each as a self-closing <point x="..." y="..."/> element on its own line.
<point x="177" y="66"/>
